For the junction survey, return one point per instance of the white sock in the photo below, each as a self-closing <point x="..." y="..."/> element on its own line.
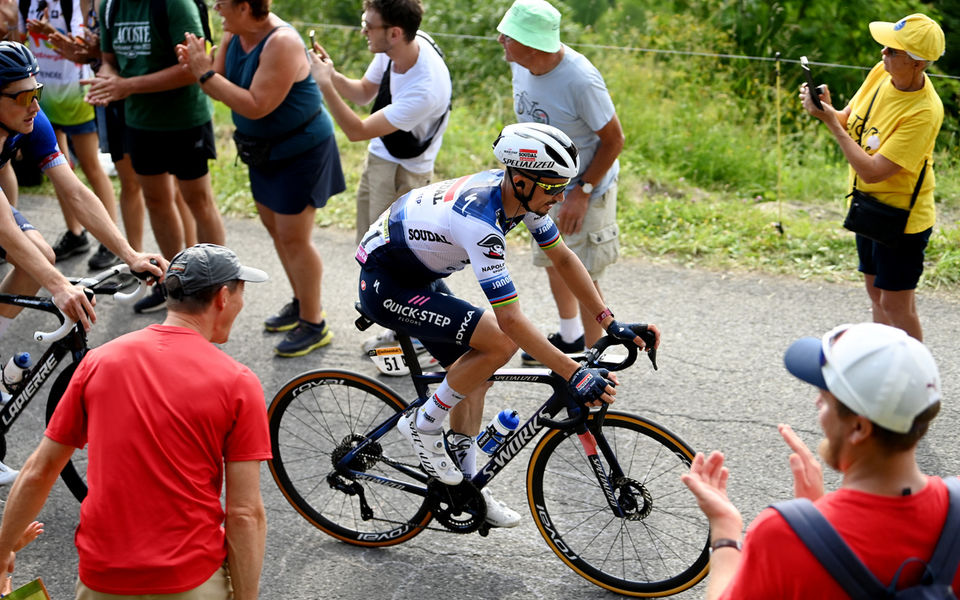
<point x="4" y="324"/>
<point x="468" y="462"/>
<point x="431" y="415"/>
<point x="571" y="329"/>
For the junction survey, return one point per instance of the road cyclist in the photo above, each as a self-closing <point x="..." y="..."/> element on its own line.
<point x="433" y="231"/>
<point x="24" y="128"/>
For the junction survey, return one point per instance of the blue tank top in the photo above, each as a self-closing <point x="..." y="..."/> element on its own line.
<point x="301" y="104"/>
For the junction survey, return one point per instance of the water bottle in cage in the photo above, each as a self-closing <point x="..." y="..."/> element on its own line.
<point x="498" y="430"/>
<point x="13" y="374"/>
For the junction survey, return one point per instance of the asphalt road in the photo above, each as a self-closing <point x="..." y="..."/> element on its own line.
<point x="721" y="385"/>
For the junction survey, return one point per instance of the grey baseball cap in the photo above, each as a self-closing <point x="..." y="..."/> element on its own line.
<point x="206" y="265"/>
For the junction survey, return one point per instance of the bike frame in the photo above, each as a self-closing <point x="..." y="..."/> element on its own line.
<point x="74" y="344"/>
<point x="506" y="452"/>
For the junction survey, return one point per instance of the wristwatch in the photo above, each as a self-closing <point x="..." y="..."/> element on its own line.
<point x="586" y="187"/>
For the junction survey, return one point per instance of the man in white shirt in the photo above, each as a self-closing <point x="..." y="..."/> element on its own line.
<point x="410" y="86"/>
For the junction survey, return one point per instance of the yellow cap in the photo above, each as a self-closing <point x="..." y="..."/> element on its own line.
<point x="919" y="35"/>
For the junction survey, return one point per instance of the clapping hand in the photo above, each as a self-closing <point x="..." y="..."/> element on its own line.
<point x="807" y="470"/>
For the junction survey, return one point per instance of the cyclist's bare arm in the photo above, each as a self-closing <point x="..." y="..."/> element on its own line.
<point x="577" y="278"/>
<point x="517" y="326"/>
<point x="25" y="255"/>
<point x="91" y="214"/>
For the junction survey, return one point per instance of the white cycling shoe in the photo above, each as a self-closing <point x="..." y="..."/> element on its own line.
<point x="498" y="513"/>
<point x="7" y="475"/>
<point x="431" y="450"/>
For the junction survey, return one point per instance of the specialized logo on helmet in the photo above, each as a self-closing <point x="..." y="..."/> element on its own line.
<point x="900" y="25"/>
<point x="494" y="245"/>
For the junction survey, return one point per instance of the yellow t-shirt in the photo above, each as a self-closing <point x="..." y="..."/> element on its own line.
<point x="902" y="126"/>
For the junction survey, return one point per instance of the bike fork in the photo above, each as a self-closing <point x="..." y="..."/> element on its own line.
<point x="589" y="443"/>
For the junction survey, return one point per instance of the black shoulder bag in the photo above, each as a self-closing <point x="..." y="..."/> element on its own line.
<point x="403" y="144"/>
<point x="872" y="218"/>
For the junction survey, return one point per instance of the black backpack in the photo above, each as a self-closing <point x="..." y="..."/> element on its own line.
<point x="160" y="18"/>
<point x="828" y="547"/>
<point x="403" y="144"/>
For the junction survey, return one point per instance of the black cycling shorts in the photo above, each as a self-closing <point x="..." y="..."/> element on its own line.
<point x="22" y="222"/>
<point x="430" y="312"/>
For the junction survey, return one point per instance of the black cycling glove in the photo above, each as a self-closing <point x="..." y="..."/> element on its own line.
<point x="588" y="385"/>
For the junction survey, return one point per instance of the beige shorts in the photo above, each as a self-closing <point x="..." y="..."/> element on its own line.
<point x="218" y="587"/>
<point x="597" y="244"/>
<point x="381" y="183"/>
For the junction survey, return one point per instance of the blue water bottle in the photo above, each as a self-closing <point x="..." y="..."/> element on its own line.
<point x="13" y="372"/>
<point x="502" y="425"/>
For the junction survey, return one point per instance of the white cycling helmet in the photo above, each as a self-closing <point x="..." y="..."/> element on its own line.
<point x="537" y="148"/>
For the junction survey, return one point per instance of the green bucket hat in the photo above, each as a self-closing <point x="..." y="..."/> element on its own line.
<point x="533" y="23"/>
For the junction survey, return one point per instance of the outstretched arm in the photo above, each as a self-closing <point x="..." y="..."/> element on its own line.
<point x="707" y="480"/>
<point x="355" y="128"/>
<point x="91" y="214"/>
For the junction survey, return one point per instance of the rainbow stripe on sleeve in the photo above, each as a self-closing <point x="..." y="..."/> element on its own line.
<point x="504" y="300"/>
<point x="552" y="242"/>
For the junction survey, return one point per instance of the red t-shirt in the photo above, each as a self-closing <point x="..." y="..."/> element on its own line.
<point x="161" y="410"/>
<point x="882" y="531"/>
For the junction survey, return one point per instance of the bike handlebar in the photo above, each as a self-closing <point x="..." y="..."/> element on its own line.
<point x="93" y="285"/>
<point x="593" y="358"/>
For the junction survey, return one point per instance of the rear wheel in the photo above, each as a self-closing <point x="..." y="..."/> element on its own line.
<point x="74" y="474"/>
<point x="315" y="420"/>
<point x="660" y="547"/>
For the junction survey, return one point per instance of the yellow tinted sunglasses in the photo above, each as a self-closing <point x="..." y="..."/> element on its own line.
<point x="552" y="188"/>
<point x="25" y="98"/>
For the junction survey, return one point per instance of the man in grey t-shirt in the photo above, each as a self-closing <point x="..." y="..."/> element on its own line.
<point x="555" y="85"/>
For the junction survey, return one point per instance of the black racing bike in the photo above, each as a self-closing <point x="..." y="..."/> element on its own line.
<point x="68" y="342"/>
<point x="603" y="486"/>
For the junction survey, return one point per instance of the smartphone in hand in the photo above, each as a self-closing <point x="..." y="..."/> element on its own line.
<point x="814" y="89"/>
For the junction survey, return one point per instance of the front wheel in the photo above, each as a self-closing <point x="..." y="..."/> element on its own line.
<point x="74" y="474"/>
<point x="315" y="420"/>
<point x="660" y="547"/>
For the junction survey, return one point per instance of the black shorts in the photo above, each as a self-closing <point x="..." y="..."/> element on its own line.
<point x="22" y="222"/>
<point x="112" y="127"/>
<point x="896" y="269"/>
<point x="290" y="185"/>
<point x="430" y="312"/>
<point x="182" y="152"/>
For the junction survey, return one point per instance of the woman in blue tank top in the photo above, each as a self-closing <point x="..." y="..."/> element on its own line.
<point x="285" y="136"/>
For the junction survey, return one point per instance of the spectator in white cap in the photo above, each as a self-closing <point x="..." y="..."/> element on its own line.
<point x="878" y="391"/>
<point x="555" y="85"/>
<point x="887" y="133"/>
<point x="169" y="420"/>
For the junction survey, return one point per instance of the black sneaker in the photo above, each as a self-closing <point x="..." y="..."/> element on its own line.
<point x="304" y="338"/>
<point x="153" y="301"/>
<point x="573" y="347"/>
<point x="69" y="244"/>
<point x="102" y="259"/>
<point x="286" y="319"/>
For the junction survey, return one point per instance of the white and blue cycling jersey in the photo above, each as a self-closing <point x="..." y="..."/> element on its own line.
<point x="436" y="230"/>
<point x="39" y="146"/>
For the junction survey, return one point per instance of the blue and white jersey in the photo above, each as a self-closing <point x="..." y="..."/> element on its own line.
<point x="39" y="146"/>
<point x="436" y="230"/>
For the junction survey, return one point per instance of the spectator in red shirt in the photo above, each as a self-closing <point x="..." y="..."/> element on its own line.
<point x="166" y="417"/>
<point x="879" y="390"/>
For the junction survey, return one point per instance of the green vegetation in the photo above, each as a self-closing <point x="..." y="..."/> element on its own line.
<point x="700" y="182"/>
